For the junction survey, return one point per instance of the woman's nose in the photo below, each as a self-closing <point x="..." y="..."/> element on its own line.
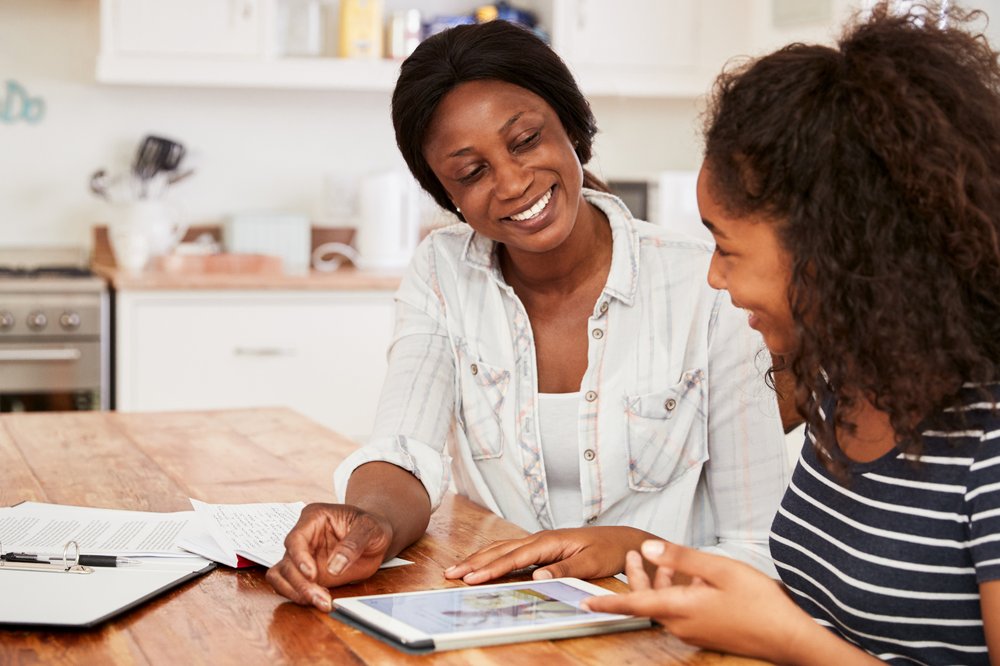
<point x="512" y="179"/>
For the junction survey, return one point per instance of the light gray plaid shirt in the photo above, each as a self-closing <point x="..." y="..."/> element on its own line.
<point x="677" y="434"/>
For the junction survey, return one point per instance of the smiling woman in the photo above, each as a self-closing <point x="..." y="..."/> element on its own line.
<point x="563" y="363"/>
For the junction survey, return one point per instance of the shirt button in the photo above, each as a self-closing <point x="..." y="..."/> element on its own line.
<point x="604" y="307"/>
<point x="590" y="396"/>
<point x="589" y="455"/>
<point x="670" y="404"/>
<point x="475" y="369"/>
<point x="597" y="333"/>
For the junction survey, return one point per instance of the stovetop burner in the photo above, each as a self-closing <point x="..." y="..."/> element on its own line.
<point x="45" y="271"/>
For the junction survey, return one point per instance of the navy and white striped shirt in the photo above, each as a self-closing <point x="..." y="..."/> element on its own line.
<point x="891" y="559"/>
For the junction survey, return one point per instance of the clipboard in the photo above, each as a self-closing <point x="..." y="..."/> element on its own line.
<point x="66" y="594"/>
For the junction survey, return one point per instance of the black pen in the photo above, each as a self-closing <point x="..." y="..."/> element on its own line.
<point x="83" y="560"/>
<point x="102" y="561"/>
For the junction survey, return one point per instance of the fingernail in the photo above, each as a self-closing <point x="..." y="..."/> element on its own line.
<point x="652" y="548"/>
<point x="473" y="577"/>
<point x="450" y="569"/>
<point x="541" y="574"/>
<point x="337" y="564"/>
<point x="321" y="601"/>
<point x="306" y="570"/>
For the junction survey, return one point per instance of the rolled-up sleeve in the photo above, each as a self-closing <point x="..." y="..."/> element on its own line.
<point x="417" y="402"/>
<point x="747" y="471"/>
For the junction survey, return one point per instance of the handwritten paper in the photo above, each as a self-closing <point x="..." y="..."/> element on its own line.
<point x="255" y="532"/>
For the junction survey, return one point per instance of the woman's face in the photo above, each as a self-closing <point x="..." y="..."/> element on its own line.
<point x="751" y="265"/>
<point x="504" y="158"/>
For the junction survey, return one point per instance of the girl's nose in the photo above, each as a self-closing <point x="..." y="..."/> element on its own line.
<point x="716" y="280"/>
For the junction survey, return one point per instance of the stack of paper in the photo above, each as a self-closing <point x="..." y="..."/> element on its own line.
<point x="39" y="528"/>
<point x="240" y="535"/>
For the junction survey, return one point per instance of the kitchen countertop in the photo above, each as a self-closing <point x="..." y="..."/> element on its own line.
<point x="342" y="279"/>
<point x="256" y="274"/>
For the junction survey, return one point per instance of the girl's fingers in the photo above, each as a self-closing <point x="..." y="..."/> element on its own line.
<point x="636" y="572"/>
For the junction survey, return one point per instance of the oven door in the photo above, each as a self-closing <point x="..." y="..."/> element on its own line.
<point x="50" y="376"/>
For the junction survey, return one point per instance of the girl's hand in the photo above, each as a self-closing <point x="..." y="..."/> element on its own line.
<point x="728" y="606"/>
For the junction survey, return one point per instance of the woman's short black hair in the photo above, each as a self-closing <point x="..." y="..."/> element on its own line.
<point x="497" y="50"/>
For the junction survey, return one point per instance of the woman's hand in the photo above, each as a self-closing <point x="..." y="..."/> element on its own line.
<point x="330" y="545"/>
<point x="728" y="606"/>
<point x="585" y="552"/>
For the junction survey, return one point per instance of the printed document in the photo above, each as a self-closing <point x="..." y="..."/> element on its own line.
<point x="44" y="529"/>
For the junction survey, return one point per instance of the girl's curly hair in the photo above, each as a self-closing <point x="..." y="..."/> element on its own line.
<point x="880" y="160"/>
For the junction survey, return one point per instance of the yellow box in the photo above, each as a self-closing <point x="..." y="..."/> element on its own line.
<point x="360" y="29"/>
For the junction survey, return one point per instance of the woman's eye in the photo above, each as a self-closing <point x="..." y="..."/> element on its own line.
<point x="471" y="176"/>
<point x="528" y="141"/>
<point x="722" y="253"/>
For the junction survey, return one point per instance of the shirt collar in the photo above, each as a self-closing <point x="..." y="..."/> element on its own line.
<point x="623" y="278"/>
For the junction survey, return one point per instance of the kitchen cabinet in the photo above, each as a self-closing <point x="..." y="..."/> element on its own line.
<point x="641" y="48"/>
<point x="321" y="353"/>
<point x="648" y="48"/>
<point x="183" y="28"/>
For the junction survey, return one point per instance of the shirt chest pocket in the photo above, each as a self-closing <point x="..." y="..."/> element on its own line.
<point x="484" y="389"/>
<point x="666" y="433"/>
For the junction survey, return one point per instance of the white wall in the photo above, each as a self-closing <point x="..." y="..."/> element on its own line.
<point x="259" y="149"/>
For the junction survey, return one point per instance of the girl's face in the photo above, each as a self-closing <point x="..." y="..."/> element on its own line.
<point x="751" y="265"/>
<point x="504" y="158"/>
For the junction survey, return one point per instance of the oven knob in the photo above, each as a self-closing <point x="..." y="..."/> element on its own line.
<point x="37" y="321"/>
<point x="69" y="321"/>
<point x="6" y="321"/>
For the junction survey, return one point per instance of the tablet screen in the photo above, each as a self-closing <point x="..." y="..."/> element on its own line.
<point x="475" y="609"/>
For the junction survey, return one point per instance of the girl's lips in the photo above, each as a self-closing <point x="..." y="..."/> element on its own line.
<point x="753" y="321"/>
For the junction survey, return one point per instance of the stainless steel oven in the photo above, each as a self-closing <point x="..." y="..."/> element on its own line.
<point x="54" y="353"/>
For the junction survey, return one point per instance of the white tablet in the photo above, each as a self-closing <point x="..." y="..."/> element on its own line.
<point x="473" y="616"/>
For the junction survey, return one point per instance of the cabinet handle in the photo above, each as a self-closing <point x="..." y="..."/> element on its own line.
<point x="39" y="355"/>
<point x="263" y="351"/>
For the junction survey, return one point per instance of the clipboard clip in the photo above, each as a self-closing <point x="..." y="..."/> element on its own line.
<point x="69" y="564"/>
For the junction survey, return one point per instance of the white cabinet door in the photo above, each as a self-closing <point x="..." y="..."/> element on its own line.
<point x="648" y="48"/>
<point x="322" y="354"/>
<point x="189" y="28"/>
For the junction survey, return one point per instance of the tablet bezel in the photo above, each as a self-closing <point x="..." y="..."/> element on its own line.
<point x="410" y="636"/>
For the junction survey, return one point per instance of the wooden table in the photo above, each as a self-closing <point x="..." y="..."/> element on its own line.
<point x="155" y="462"/>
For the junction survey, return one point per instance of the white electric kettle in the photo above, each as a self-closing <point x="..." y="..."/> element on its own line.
<point x="389" y="220"/>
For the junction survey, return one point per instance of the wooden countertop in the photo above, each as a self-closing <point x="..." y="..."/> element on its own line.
<point x="155" y="462"/>
<point x="164" y="275"/>
<point x="342" y="279"/>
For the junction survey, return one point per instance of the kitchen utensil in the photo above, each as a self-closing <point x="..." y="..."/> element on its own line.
<point x="99" y="184"/>
<point x="154" y="155"/>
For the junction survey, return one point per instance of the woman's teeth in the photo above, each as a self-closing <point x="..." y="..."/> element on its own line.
<point x="534" y="210"/>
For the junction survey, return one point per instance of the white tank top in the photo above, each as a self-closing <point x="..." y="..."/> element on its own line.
<point x="558" y="418"/>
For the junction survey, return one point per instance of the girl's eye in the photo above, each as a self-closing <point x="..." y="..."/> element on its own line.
<point x="722" y="253"/>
